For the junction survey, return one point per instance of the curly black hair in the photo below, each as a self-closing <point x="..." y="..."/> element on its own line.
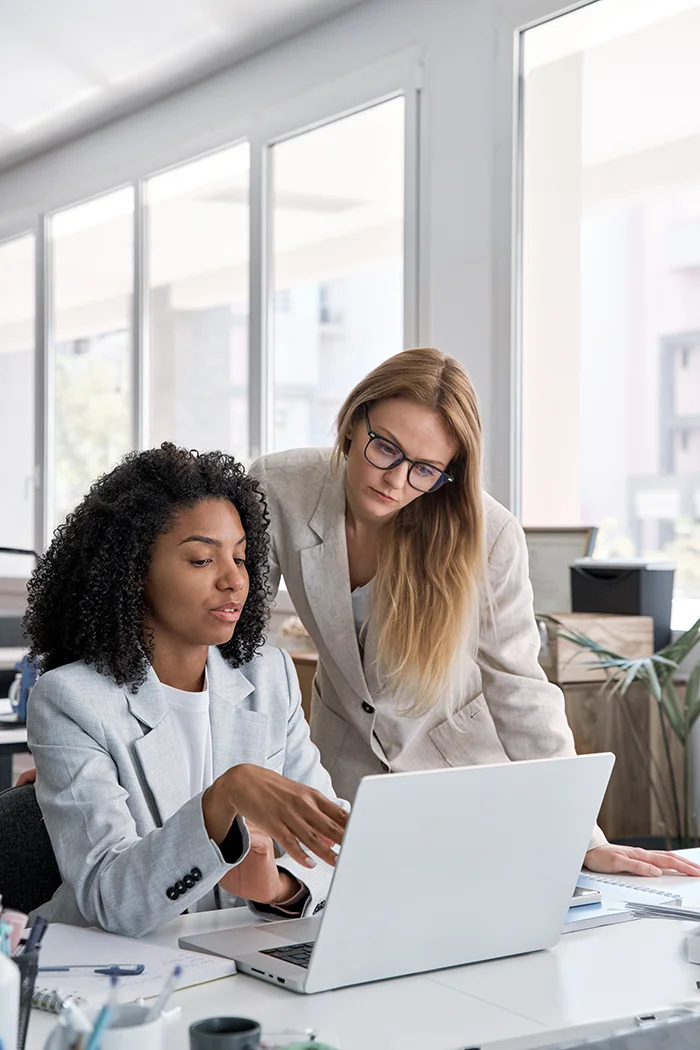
<point x="87" y="594"/>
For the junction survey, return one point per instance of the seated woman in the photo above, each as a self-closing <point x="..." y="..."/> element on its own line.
<point x="171" y="749"/>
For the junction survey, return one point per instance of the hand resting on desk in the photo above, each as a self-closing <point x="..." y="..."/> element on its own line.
<point x="631" y="860"/>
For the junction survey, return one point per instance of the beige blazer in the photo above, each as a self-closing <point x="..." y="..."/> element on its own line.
<point x="509" y="711"/>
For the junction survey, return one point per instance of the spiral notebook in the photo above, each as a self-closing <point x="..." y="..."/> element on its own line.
<point x="612" y="889"/>
<point x="75" y="945"/>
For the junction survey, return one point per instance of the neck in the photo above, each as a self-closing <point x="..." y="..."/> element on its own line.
<point x="178" y="665"/>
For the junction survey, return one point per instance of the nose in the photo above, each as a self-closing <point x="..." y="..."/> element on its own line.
<point x="232" y="579"/>
<point x="398" y="475"/>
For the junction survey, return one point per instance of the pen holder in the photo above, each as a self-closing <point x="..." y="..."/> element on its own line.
<point x="28" y="963"/>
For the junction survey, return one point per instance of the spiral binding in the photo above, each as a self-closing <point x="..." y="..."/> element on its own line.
<point x="53" y="1001"/>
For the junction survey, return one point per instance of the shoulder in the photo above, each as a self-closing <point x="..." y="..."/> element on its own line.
<point x="293" y="482"/>
<point x="75" y="679"/>
<point x="288" y="469"/>
<point x="77" y="691"/>
<point x="504" y="533"/>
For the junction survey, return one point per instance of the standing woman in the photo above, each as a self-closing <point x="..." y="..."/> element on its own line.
<point x="413" y="584"/>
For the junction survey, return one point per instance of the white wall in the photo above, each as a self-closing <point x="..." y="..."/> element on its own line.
<point x="466" y="51"/>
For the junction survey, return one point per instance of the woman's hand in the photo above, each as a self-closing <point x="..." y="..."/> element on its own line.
<point x="292" y="814"/>
<point x="257" y="878"/>
<point x="28" y="777"/>
<point x="631" y="860"/>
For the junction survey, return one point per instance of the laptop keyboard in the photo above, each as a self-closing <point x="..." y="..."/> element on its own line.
<point x="298" y="954"/>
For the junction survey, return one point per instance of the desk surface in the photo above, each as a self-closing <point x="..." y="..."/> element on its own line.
<point x="591" y="975"/>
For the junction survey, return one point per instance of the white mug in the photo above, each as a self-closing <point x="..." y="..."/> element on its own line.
<point x="129" y="1029"/>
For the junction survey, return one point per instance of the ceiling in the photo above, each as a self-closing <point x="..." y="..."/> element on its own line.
<point x="66" y="67"/>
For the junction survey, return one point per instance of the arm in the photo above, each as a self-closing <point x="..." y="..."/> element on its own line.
<point x="120" y="879"/>
<point x="259" y="473"/>
<point x="527" y="710"/>
<point x="302" y="764"/>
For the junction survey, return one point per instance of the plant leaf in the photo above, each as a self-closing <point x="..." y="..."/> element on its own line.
<point x="672" y="709"/>
<point x="692" y="695"/>
<point x="676" y="652"/>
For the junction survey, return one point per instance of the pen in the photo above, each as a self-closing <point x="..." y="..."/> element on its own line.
<point x="35" y="934"/>
<point x="103" y="1019"/>
<point x="162" y="999"/>
<point x="109" y="969"/>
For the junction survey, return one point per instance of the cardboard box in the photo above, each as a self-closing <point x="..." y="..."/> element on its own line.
<point x="564" y="661"/>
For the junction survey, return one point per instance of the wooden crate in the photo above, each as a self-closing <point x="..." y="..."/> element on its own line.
<point x="565" y="662"/>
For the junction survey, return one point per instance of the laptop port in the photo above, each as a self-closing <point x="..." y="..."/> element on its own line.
<point x="261" y="972"/>
<point x="281" y="980"/>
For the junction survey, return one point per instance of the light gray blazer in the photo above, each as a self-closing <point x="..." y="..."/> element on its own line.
<point x="111" y="786"/>
<point x="509" y="709"/>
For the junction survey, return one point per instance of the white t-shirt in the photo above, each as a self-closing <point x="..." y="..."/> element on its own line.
<point x="361" y="597"/>
<point x="191" y="714"/>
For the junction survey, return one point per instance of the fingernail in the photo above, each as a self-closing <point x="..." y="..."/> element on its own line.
<point x="309" y="863"/>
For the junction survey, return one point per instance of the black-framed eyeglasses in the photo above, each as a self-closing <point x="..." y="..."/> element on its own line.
<point x="385" y="455"/>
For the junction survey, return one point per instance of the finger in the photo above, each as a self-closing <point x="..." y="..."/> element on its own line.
<point x="288" y="842"/>
<point x="319" y="818"/>
<point x="317" y="844"/>
<point x="670" y="861"/>
<point x="322" y="825"/>
<point x="331" y="809"/>
<point x="638" y="867"/>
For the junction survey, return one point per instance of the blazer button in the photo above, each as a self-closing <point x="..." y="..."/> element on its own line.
<point x="367" y="707"/>
<point x="180" y="887"/>
<point x="188" y="881"/>
<point x="196" y="874"/>
<point x="171" y="893"/>
<point x="319" y="907"/>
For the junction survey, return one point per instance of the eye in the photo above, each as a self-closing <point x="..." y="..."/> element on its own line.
<point x="388" y="449"/>
<point x="239" y="561"/>
<point x="201" y="561"/>
<point x="426" y="471"/>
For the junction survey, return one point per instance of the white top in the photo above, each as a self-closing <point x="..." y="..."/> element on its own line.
<point x="191" y="714"/>
<point x="361" y="598"/>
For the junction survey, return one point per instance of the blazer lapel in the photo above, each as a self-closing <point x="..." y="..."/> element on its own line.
<point x="159" y="751"/>
<point x="324" y="568"/>
<point x="239" y="733"/>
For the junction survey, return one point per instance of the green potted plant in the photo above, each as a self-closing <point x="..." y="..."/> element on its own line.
<point x="676" y="717"/>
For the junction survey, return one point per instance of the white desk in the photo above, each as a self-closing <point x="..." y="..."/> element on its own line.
<point x="592" y="975"/>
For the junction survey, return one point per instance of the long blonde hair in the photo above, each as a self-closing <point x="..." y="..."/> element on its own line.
<point x="426" y="596"/>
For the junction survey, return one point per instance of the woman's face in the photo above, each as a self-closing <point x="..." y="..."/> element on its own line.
<point x="197" y="581"/>
<point x="419" y="432"/>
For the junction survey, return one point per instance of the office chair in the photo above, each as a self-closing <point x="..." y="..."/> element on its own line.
<point x="29" y="875"/>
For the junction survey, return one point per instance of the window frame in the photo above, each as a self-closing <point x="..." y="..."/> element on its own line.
<point x="398" y="75"/>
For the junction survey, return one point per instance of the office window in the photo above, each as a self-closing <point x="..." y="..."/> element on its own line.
<point x="17" y="405"/>
<point x="338" y="207"/>
<point x="198" y="229"/>
<point x="611" y="281"/>
<point x="92" y="289"/>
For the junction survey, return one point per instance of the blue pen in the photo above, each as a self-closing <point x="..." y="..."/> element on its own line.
<point x="102" y="1022"/>
<point x="108" y="969"/>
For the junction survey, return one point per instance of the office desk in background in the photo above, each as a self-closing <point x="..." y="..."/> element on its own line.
<point x="592" y="975"/>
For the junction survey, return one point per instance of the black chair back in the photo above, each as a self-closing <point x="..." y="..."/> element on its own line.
<point x="29" y="875"/>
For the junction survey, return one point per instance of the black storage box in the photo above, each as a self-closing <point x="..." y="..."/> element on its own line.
<point x="628" y="588"/>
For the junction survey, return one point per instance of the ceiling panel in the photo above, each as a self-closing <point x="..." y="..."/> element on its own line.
<point x="67" y="66"/>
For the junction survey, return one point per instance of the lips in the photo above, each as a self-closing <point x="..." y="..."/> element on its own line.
<point x="229" y="612"/>
<point x="383" y="495"/>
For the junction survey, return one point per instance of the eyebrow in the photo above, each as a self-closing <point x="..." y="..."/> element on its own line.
<point x="209" y="540"/>
<point x="400" y="446"/>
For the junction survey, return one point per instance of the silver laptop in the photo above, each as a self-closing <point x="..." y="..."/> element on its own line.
<point x="438" y="868"/>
